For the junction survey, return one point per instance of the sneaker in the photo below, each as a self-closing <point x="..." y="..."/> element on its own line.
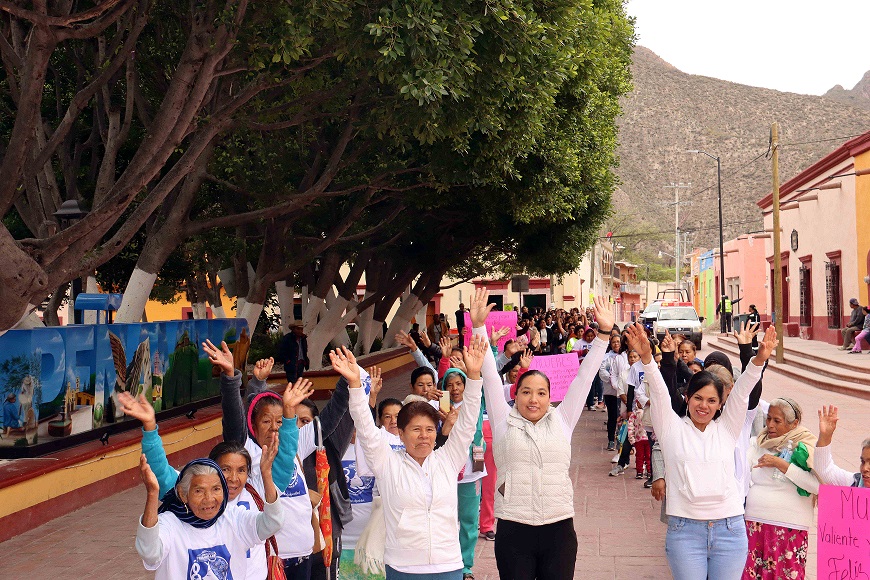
<point x="488" y="536"/>
<point x="611" y="446"/>
<point x="648" y="483"/>
<point x="854" y="352"/>
<point x="591" y="407"/>
<point x="615" y="458"/>
<point x="468" y="576"/>
<point x="617" y="470"/>
<point x="639" y="475"/>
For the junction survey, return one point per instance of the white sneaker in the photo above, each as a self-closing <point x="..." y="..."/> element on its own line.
<point x="615" y="458"/>
<point x="617" y="470"/>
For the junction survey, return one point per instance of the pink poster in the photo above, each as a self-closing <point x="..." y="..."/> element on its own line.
<point x="494" y="321"/>
<point x="844" y="533"/>
<point x="561" y="369"/>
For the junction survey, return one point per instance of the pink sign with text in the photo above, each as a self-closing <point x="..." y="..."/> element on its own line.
<point x="844" y="533"/>
<point x="561" y="369"/>
<point x="494" y="321"/>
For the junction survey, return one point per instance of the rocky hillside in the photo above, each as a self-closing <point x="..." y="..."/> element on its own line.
<point x="670" y="111"/>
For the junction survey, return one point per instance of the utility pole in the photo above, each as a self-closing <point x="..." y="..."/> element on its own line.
<point x="777" y="260"/>
<point x="677" y="187"/>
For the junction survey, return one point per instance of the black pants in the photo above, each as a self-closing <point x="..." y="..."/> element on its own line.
<point x="547" y="552"/>
<point x="625" y="454"/>
<point x="612" y="404"/>
<point x="594" y="391"/>
<point x="318" y="570"/>
<point x="298" y="569"/>
<point x="727" y="317"/>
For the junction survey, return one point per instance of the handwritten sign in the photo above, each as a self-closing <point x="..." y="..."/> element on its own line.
<point x="495" y="321"/>
<point x="844" y="533"/>
<point x="561" y="369"/>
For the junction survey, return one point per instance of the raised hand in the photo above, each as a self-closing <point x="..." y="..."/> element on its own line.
<point x="405" y="339"/>
<point x="766" y="346"/>
<point x="512" y="348"/>
<point x="424" y="338"/>
<point x="220" y="357"/>
<point x="668" y="344"/>
<point x="295" y="393"/>
<point x="526" y="359"/>
<point x="446" y="345"/>
<point x="638" y="342"/>
<point x="448" y="420"/>
<point x="138" y="408"/>
<point x="746" y="335"/>
<point x="603" y="314"/>
<point x="263" y="368"/>
<point x="827" y="425"/>
<point x="377" y="380"/>
<point x="270" y="451"/>
<point x="498" y="335"/>
<point x="457" y="362"/>
<point x="479" y="308"/>
<point x="473" y="356"/>
<point x="148" y="478"/>
<point x="344" y="364"/>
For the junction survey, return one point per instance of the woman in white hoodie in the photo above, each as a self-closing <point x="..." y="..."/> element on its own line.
<point x="534" y="498"/>
<point x="706" y="537"/>
<point x="418" y="486"/>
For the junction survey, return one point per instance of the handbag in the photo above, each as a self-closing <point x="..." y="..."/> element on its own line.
<point x="319" y="541"/>
<point x="274" y="564"/>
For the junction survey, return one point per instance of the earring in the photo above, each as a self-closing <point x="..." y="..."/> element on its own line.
<point x="185" y="509"/>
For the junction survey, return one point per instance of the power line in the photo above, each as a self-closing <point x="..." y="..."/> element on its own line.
<point x="822" y="140"/>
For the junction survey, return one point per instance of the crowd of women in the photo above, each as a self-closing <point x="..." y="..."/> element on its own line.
<point x="369" y="488"/>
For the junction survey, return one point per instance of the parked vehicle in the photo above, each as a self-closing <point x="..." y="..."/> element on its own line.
<point x="678" y="318"/>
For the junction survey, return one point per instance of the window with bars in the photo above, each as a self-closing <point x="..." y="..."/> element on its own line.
<point x="832" y="287"/>
<point x="806" y="292"/>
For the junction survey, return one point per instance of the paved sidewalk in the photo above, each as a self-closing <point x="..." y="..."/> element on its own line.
<point x="617" y="523"/>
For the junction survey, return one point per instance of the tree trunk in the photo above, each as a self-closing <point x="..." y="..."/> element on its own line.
<point x="251" y="312"/>
<point x="402" y="319"/>
<point x="200" y="310"/>
<point x="91" y="316"/>
<point x="285" y="304"/>
<point x="50" y="317"/>
<point x="136" y="296"/>
<point x="365" y="326"/>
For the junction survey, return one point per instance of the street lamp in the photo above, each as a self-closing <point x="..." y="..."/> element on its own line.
<point x="721" y="238"/>
<point x="68" y="214"/>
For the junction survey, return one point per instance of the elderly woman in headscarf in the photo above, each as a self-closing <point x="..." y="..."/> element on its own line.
<point x="192" y="534"/>
<point x="779" y="506"/>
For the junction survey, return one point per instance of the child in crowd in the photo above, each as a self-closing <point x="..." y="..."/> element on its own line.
<point x="639" y="439"/>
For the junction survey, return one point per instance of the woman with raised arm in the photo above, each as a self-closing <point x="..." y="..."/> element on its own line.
<point x="192" y="534"/>
<point x="418" y="485"/>
<point x="706" y="537"/>
<point x="534" y="498"/>
<point x="265" y="416"/>
<point x="824" y="465"/>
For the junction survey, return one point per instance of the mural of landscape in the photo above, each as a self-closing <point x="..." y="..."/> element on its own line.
<point x="59" y="381"/>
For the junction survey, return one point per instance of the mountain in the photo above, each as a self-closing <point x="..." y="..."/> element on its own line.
<point x="859" y="96"/>
<point x="670" y="111"/>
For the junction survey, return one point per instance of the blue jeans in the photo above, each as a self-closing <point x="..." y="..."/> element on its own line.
<point x="702" y="550"/>
<point x="396" y="575"/>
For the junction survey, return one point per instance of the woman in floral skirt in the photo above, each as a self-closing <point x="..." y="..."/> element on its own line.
<point x="779" y="507"/>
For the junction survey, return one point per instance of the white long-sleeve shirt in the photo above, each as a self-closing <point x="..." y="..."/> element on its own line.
<point x="611" y="370"/>
<point x="699" y="465"/>
<point x="827" y="470"/>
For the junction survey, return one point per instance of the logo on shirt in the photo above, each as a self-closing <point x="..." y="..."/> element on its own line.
<point x="360" y="489"/>
<point x="296" y="486"/>
<point x="206" y="563"/>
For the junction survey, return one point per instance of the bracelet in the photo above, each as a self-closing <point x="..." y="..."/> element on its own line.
<point x="608" y="331"/>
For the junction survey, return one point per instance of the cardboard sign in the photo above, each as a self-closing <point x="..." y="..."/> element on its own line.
<point x="561" y="369"/>
<point x="844" y="533"/>
<point x="494" y="321"/>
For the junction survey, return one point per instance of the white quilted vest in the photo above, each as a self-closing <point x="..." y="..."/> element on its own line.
<point x="533" y="486"/>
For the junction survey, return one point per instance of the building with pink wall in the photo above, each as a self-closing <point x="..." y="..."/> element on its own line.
<point x="746" y="275"/>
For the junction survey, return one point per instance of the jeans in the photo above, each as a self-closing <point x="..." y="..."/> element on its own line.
<point x="706" y="550"/>
<point x="396" y="575"/>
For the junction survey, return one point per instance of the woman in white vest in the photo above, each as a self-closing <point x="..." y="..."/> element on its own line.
<point x="418" y="486"/>
<point x="534" y="498"/>
<point x="706" y="537"/>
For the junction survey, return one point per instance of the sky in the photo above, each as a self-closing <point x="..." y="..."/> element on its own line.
<point x="797" y="46"/>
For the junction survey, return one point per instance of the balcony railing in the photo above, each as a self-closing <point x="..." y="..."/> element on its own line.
<point x="632" y="288"/>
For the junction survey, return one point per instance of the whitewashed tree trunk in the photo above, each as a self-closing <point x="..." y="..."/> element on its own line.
<point x="200" y="310"/>
<point x="135" y="296"/>
<point x="30" y="320"/>
<point x="241" y="303"/>
<point x="365" y="329"/>
<point x="285" y="304"/>
<point x="218" y="311"/>
<point x="90" y="316"/>
<point x="311" y="314"/>
<point x="402" y="319"/>
<point x="341" y="337"/>
<point x="420" y="316"/>
<point x="250" y="312"/>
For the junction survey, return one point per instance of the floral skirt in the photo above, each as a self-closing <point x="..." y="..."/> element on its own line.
<point x="775" y="552"/>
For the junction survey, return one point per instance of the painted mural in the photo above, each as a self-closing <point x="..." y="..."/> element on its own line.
<point x="63" y="380"/>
